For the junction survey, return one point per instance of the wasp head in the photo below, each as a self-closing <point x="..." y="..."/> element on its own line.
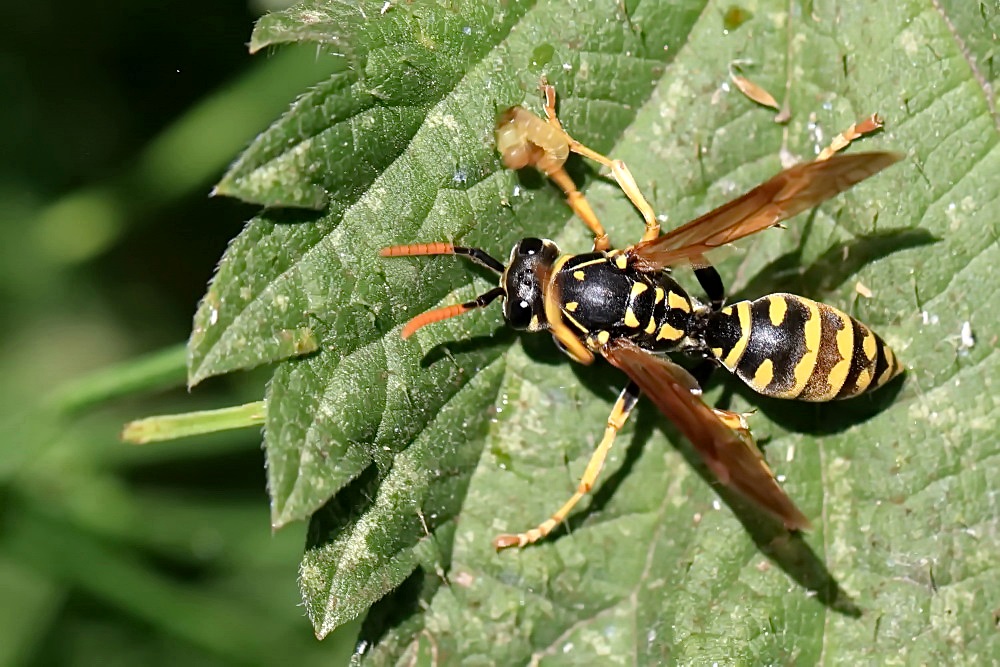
<point x="523" y="283"/>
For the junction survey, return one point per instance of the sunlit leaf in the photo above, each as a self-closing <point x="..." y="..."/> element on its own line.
<point x="409" y="456"/>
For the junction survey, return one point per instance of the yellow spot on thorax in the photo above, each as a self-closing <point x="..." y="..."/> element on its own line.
<point x="675" y="300"/>
<point x="668" y="332"/>
<point x="572" y="306"/>
<point x="630" y="319"/>
<point x="776" y="308"/>
<point x="579" y="275"/>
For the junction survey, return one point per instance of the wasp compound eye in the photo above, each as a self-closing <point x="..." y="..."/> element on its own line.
<point x="529" y="246"/>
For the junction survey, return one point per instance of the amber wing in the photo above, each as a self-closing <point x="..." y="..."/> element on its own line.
<point x="736" y="462"/>
<point x="792" y="191"/>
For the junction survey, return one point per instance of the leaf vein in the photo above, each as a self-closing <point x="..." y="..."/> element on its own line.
<point x="984" y="85"/>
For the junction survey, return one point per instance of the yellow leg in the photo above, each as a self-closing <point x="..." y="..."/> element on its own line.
<point x="525" y="140"/>
<point x="736" y="421"/>
<point x="581" y="207"/>
<point x="627" y="183"/>
<point x="619" y="170"/>
<point x="841" y="141"/>
<point x="619" y="414"/>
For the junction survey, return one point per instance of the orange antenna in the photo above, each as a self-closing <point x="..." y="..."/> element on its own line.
<point x="438" y="314"/>
<point x="418" y="249"/>
<point x="475" y="254"/>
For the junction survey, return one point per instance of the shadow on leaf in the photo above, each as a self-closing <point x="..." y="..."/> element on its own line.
<point x="501" y="338"/>
<point x="825" y="418"/>
<point x="788" y="550"/>
<point x="833" y="268"/>
<point x="294" y="216"/>
<point x="350" y="568"/>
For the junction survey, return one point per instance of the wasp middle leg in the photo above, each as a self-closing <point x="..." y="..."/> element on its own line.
<point x="619" y="415"/>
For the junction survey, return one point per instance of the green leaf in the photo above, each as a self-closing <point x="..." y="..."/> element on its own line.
<point x="409" y="456"/>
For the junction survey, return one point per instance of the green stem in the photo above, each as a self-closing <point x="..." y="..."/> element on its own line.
<point x="171" y="427"/>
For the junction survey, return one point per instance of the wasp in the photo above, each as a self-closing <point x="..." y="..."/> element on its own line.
<point x="625" y="306"/>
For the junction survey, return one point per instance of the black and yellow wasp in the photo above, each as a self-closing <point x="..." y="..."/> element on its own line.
<point x="624" y="306"/>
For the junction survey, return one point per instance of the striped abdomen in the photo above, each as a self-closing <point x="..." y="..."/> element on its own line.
<point x="788" y="346"/>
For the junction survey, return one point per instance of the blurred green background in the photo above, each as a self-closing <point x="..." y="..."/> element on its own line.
<point x="117" y="121"/>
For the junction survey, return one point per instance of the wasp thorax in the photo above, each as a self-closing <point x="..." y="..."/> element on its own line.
<point x="523" y="283"/>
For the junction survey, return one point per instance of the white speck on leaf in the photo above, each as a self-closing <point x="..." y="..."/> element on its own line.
<point x="966" y="339"/>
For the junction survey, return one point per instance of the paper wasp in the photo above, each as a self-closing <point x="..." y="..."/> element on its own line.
<point x="624" y="306"/>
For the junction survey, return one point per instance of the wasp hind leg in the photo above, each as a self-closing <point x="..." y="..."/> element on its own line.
<point x="619" y="415"/>
<point x="855" y="131"/>
<point x="737" y="421"/>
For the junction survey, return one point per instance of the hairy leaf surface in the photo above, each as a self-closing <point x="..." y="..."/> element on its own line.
<point x="408" y="456"/>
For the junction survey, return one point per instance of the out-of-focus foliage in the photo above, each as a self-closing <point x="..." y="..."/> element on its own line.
<point x="118" y="122"/>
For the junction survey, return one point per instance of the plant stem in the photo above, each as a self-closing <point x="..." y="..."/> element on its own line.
<point x="171" y="427"/>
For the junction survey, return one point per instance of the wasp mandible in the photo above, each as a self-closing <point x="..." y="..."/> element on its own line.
<point x="624" y="305"/>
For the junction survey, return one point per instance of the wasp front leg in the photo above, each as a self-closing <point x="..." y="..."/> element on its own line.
<point x="619" y="170"/>
<point x="525" y="140"/>
<point x="619" y="415"/>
